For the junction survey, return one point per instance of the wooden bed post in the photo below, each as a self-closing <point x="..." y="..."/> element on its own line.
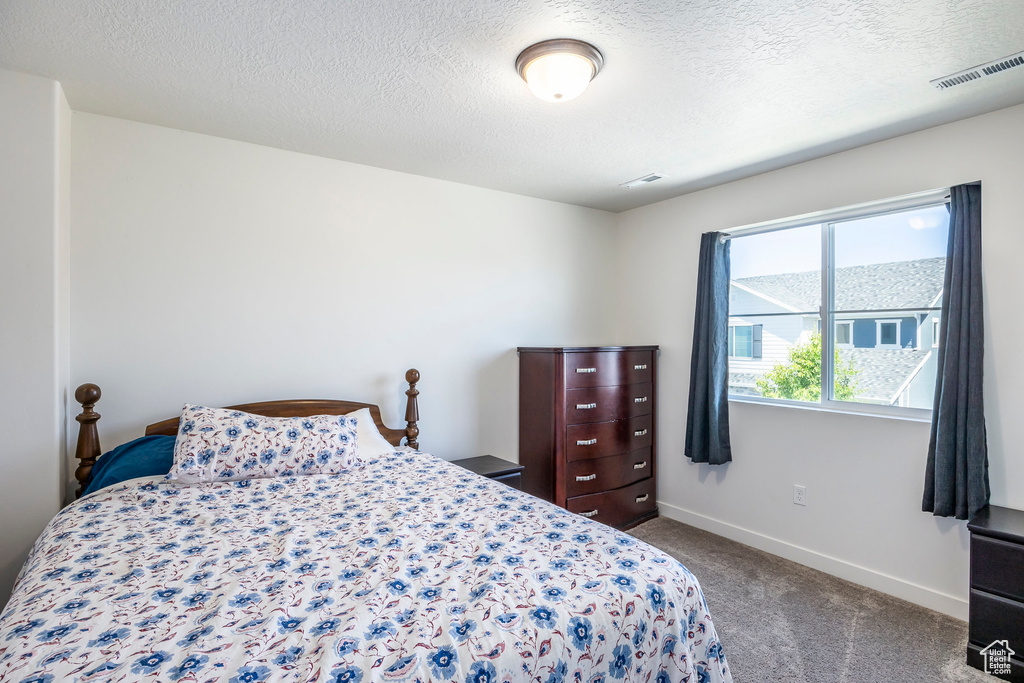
<point x="412" y="409"/>
<point x="88" y="448"/>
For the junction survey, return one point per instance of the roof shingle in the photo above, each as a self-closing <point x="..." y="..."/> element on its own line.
<point x="899" y="284"/>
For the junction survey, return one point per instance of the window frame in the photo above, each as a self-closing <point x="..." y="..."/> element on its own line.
<point x="826" y="313"/>
<point x="935" y="331"/>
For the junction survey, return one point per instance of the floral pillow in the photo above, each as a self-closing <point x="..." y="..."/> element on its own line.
<point x="215" y="444"/>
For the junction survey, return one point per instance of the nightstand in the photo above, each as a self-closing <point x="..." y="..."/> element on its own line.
<point x="494" y="468"/>
<point x="996" y="626"/>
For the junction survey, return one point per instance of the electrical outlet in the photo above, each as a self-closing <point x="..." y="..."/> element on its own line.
<point x="799" y="495"/>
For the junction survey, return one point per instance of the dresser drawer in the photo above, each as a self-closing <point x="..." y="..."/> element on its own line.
<point x="618" y="507"/>
<point x="997" y="566"/>
<point x="994" y="618"/>
<point x="608" y="438"/>
<point x="602" y="404"/>
<point x="608" y="368"/>
<point x="612" y="472"/>
<point x="638" y="367"/>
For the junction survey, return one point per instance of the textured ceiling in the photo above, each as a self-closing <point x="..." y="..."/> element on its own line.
<point x="703" y="91"/>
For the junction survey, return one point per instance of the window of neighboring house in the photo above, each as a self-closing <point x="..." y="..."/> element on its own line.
<point x="819" y="286"/>
<point x="887" y="334"/>
<point x="935" y="331"/>
<point x="744" y="341"/>
<point x="844" y="333"/>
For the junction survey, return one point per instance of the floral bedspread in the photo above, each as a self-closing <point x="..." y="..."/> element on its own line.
<point x="405" y="569"/>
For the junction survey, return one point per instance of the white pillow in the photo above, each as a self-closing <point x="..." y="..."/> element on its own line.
<point x="368" y="438"/>
<point x="214" y="444"/>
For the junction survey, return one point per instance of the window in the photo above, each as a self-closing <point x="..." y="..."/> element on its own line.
<point x="846" y="303"/>
<point x="844" y="333"/>
<point x="741" y="341"/>
<point x="744" y="341"/>
<point x="887" y="334"/>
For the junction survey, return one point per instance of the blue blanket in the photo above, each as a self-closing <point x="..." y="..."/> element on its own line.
<point x="148" y="456"/>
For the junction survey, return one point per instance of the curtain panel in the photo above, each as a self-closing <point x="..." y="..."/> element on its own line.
<point x="956" y="476"/>
<point x="707" y="412"/>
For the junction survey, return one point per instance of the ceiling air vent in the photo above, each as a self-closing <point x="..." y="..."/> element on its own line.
<point x="980" y="71"/>
<point x="649" y="178"/>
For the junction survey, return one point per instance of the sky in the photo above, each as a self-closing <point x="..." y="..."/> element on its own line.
<point x="904" y="236"/>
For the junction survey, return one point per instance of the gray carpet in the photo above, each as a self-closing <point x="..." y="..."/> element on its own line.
<point x="781" y="621"/>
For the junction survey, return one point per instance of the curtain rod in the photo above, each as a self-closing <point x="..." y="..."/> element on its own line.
<point x="864" y="210"/>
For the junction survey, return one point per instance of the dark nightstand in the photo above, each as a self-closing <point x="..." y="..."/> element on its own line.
<point x="494" y="468"/>
<point x="996" y="626"/>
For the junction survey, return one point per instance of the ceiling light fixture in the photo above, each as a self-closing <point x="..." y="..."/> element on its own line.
<point x="559" y="70"/>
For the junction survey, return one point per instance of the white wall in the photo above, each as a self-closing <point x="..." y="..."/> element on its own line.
<point x="217" y="272"/>
<point x="864" y="475"/>
<point x="34" y="222"/>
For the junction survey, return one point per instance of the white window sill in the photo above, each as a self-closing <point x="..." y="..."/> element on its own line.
<point x="884" y="413"/>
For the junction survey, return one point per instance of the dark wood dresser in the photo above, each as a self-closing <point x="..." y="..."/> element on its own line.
<point x="996" y="627"/>
<point x="587" y="430"/>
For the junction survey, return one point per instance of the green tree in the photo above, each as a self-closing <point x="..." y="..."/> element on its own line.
<point x="800" y="378"/>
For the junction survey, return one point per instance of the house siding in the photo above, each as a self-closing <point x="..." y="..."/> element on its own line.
<point x="779" y="332"/>
<point x="778" y="335"/>
<point x="865" y="332"/>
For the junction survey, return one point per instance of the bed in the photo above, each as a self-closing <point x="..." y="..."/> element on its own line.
<point x="407" y="568"/>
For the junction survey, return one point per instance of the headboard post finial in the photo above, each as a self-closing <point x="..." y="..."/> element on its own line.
<point x="88" y="448"/>
<point x="412" y="409"/>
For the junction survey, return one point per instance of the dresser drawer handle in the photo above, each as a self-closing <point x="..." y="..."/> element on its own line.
<point x="585" y="371"/>
<point x="640" y="465"/>
<point x="640" y="367"/>
<point x="640" y="399"/>
<point x="640" y="432"/>
<point x="585" y="406"/>
<point x="588" y="442"/>
<point x="589" y="477"/>
<point x="643" y="498"/>
<point x="592" y="513"/>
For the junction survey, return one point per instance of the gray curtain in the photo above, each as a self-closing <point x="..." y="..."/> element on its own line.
<point x="707" y="414"/>
<point x="956" y="478"/>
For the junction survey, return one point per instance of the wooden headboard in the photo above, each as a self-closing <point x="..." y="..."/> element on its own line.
<point x="88" y="448"/>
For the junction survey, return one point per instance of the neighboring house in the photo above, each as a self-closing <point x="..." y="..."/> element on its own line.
<point x="888" y="334"/>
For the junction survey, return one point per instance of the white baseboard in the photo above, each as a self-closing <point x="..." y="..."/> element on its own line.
<point x="911" y="592"/>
